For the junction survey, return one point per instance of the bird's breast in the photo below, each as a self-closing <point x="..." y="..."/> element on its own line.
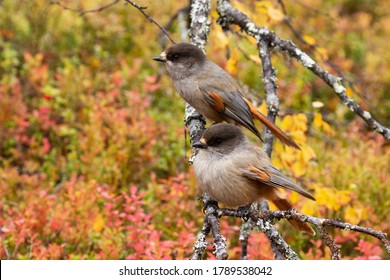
<point x="222" y="179"/>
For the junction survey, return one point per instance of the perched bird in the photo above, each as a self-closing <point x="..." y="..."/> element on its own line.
<point x="233" y="171"/>
<point x="212" y="91"/>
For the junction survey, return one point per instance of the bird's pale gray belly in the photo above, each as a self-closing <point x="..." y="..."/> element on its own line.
<point x="222" y="182"/>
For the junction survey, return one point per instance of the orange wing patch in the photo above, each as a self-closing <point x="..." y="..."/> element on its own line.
<point x="263" y="176"/>
<point x="219" y="104"/>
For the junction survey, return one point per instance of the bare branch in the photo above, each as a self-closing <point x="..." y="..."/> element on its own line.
<point x="149" y="18"/>
<point x="83" y="12"/>
<point x="140" y="8"/>
<point x="179" y="15"/>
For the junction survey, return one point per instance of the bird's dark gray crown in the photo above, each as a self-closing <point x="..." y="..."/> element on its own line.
<point x="223" y="134"/>
<point x="184" y="52"/>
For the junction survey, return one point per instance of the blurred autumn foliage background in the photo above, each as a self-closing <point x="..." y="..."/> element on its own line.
<point x="92" y="157"/>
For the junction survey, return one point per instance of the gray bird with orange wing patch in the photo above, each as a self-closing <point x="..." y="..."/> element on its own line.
<point x="235" y="172"/>
<point x="212" y="91"/>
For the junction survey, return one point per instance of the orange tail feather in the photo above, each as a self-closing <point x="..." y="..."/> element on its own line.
<point x="284" y="204"/>
<point x="272" y="127"/>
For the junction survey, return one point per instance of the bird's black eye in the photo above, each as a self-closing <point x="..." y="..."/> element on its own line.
<point x="175" y="56"/>
<point x="215" y="142"/>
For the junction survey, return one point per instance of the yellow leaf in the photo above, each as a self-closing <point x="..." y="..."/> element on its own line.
<point x="317" y="121"/>
<point x="349" y="92"/>
<point x="275" y="14"/>
<point x="327" y="197"/>
<point x="98" y="224"/>
<point x="310" y="40"/>
<point x="294" y="197"/>
<point x="323" y="53"/>
<point x="287" y="158"/>
<point x="310" y="208"/>
<point x="344" y="197"/>
<point x="327" y="128"/>
<point x="255" y="58"/>
<point x="298" y="136"/>
<point x="262" y="6"/>
<point x="232" y="63"/>
<point x="299" y="168"/>
<point x="222" y="41"/>
<point x="263" y="108"/>
<point x="300" y="121"/>
<point x="214" y="13"/>
<point x="277" y="162"/>
<point x="307" y="153"/>
<point x="287" y="123"/>
<point x="353" y="215"/>
<point x="272" y="207"/>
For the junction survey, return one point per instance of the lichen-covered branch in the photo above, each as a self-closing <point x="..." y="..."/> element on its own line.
<point x="328" y="241"/>
<point x="264" y="220"/>
<point x="251" y="216"/>
<point x="320" y="222"/>
<point x="271" y="233"/>
<point x="199" y="30"/>
<point x="211" y="223"/>
<point x="200" y="24"/>
<point x="230" y="15"/>
<point x="270" y="88"/>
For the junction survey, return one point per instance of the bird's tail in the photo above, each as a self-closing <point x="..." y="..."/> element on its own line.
<point x="272" y="127"/>
<point x="283" y="204"/>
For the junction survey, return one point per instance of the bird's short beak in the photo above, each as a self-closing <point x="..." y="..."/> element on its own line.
<point x="161" y="58"/>
<point x="201" y="144"/>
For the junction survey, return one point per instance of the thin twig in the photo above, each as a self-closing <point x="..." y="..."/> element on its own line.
<point x="149" y="18"/>
<point x="179" y="16"/>
<point x="83" y="12"/>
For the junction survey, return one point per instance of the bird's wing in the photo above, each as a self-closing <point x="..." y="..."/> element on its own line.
<point x="231" y="104"/>
<point x="224" y="95"/>
<point x="271" y="176"/>
<point x="242" y="111"/>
